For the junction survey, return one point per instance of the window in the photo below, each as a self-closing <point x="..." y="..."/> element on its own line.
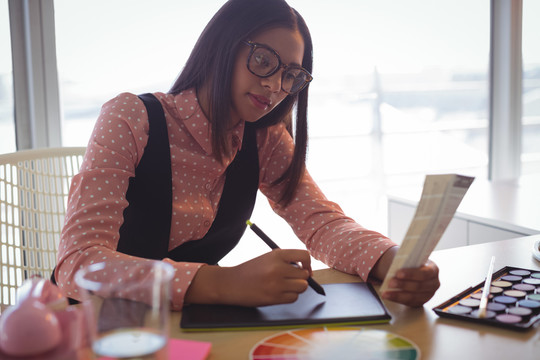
<point x="108" y="47"/>
<point x="400" y="88"/>
<point x="7" y="124"/>
<point x="399" y="91"/>
<point x="531" y="88"/>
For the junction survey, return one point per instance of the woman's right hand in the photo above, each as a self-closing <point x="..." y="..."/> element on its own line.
<point x="269" y="279"/>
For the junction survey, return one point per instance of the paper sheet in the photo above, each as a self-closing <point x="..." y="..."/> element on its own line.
<point x="441" y="196"/>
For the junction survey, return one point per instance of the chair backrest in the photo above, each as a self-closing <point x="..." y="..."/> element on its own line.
<point x="34" y="186"/>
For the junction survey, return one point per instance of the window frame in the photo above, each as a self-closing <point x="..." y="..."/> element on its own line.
<point x="505" y="90"/>
<point x="35" y="77"/>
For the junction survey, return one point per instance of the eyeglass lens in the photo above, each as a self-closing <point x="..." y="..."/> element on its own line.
<point x="264" y="62"/>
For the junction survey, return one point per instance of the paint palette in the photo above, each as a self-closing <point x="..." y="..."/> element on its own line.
<point x="513" y="302"/>
<point x="344" y="343"/>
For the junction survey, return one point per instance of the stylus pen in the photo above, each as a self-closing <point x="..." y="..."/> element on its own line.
<point x="314" y="285"/>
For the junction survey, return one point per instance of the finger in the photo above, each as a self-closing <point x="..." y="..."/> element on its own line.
<point x="412" y="286"/>
<point x="297" y="256"/>
<point x="288" y="292"/>
<point x="426" y="272"/>
<point x="295" y="288"/>
<point x="296" y="272"/>
<point x="292" y="270"/>
<point x="296" y="285"/>
<point x="288" y="298"/>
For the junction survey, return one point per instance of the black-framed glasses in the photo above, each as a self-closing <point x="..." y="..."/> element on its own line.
<point x="263" y="61"/>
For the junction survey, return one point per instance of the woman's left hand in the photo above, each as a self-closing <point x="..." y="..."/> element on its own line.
<point x="414" y="287"/>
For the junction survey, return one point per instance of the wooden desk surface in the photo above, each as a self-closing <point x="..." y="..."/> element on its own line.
<point x="436" y="337"/>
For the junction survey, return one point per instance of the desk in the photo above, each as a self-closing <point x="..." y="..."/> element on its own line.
<point x="437" y="338"/>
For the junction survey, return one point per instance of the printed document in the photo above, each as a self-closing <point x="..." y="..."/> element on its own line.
<point x="441" y="196"/>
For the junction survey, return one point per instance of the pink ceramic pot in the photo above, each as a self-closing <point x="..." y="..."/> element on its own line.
<point x="29" y="328"/>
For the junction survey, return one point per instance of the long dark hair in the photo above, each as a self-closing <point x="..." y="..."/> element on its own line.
<point x="211" y="65"/>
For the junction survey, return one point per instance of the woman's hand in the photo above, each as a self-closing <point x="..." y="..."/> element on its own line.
<point x="269" y="279"/>
<point x="414" y="287"/>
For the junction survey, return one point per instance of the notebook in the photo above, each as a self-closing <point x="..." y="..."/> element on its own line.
<point x="344" y="304"/>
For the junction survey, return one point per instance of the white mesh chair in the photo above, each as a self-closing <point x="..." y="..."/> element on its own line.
<point x="34" y="185"/>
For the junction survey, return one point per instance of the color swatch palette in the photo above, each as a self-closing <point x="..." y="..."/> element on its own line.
<point x="513" y="302"/>
<point x="344" y="343"/>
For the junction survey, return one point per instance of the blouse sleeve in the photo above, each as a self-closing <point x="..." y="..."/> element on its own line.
<point x="97" y="199"/>
<point x="331" y="236"/>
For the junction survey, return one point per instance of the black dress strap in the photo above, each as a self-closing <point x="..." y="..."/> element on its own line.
<point x="235" y="207"/>
<point x="147" y="219"/>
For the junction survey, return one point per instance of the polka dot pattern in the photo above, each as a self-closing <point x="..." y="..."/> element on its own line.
<point x="97" y="194"/>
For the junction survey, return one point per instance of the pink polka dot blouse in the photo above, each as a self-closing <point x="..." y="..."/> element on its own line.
<point x="97" y="194"/>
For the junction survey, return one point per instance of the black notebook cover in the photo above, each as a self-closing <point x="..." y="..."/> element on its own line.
<point x="344" y="304"/>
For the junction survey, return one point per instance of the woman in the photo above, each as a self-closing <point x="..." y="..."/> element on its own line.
<point x="228" y="122"/>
